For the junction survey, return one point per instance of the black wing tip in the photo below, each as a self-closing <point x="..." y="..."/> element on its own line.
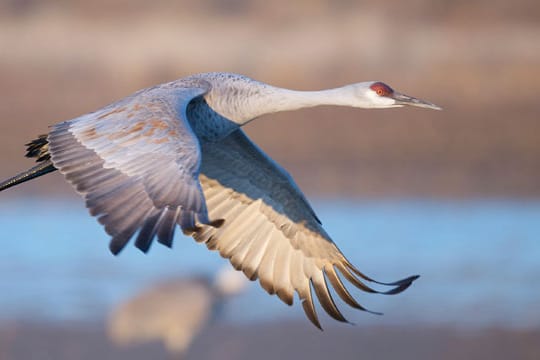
<point x="38" y="149"/>
<point x="118" y="243"/>
<point x="401" y="285"/>
<point x="143" y="243"/>
<point x="115" y="248"/>
<point x="408" y="280"/>
<point x="144" y="248"/>
<point x="309" y="310"/>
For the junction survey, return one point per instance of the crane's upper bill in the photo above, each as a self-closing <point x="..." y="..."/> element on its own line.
<point x="402" y="99"/>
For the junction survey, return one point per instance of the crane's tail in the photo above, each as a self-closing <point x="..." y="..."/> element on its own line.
<point x="39" y="149"/>
<point x="38" y="170"/>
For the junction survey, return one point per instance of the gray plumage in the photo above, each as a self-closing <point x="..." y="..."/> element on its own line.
<point x="174" y="154"/>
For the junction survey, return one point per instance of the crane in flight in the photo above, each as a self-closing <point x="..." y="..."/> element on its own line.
<point x="175" y="154"/>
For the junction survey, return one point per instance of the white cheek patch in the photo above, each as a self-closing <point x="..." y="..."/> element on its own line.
<point x="382" y="101"/>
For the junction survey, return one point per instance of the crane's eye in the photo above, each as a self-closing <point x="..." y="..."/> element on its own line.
<point x="381" y="89"/>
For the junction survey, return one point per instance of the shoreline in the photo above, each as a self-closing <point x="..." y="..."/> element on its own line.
<point x="289" y="339"/>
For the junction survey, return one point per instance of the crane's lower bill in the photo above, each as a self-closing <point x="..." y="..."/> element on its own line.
<point x="402" y="99"/>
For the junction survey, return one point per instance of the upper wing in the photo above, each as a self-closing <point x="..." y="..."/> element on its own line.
<point x="137" y="163"/>
<point x="270" y="232"/>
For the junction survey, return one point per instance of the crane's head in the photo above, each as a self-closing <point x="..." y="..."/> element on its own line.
<point x="376" y="94"/>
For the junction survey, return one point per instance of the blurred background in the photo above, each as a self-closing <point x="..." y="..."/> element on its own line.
<point x="451" y="195"/>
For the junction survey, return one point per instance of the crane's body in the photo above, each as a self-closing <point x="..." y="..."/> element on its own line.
<point x="174" y="154"/>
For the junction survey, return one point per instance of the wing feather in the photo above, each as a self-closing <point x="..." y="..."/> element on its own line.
<point x="149" y="230"/>
<point x="341" y="290"/>
<point x="136" y="162"/>
<point x="255" y="253"/>
<point x="266" y="268"/>
<point x="270" y="232"/>
<point x="282" y="283"/>
<point x="167" y="225"/>
<point x="304" y="293"/>
<point x="321" y="290"/>
<point x="243" y="256"/>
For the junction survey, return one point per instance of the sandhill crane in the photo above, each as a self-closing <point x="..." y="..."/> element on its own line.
<point x="175" y="311"/>
<point x="175" y="154"/>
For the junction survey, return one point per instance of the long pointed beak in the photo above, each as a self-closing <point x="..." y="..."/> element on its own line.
<point x="402" y="99"/>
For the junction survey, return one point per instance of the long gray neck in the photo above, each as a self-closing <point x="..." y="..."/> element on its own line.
<point x="245" y="100"/>
<point x="279" y="99"/>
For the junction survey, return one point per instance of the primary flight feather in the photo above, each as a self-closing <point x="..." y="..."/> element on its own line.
<point x="174" y="154"/>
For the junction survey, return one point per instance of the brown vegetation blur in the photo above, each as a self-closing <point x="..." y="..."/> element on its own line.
<point x="479" y="60"/>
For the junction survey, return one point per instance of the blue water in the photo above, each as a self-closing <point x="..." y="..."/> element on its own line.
<point x="479" y="261"/>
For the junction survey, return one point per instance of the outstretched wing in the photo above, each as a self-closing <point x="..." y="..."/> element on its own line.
<point x="270" y="231"/>
<point x="136" y="162"/>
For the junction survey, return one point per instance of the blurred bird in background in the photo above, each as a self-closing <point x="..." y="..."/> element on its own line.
<point x="174" y="312"/>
